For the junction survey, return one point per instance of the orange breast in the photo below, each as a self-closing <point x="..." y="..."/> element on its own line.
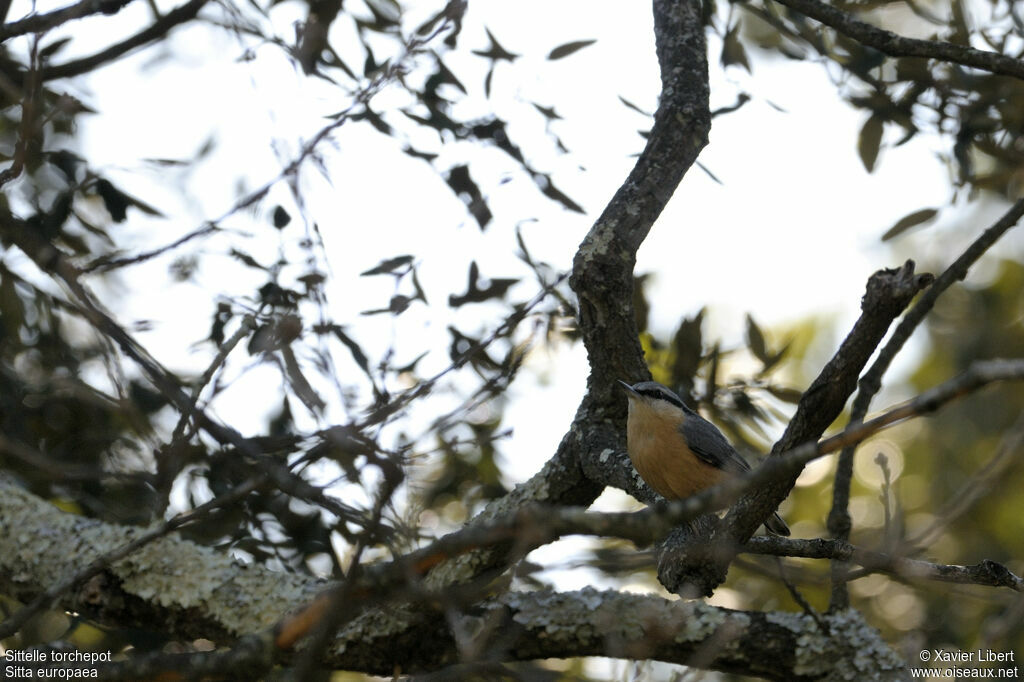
<point x="664" y="462"/>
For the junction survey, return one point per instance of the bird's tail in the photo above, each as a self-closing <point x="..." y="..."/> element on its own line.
<point x="776" y="525"/>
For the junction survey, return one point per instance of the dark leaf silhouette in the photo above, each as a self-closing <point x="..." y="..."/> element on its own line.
<point x="467" y="190"/>
<point x="388" y="266"/>
<point x="117" y="202"/>
<point x="495" y="52"/>
<point x="569" y="48"/>
<point x="475" y="293"/>
<point x="281" y="217"/>
<point x="909" y="221"/>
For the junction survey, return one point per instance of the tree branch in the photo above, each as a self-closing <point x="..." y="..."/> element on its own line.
<point x="155" y="31"/>
<point x="778" y="646"/>
<point x="988" y="573"/>
<point x="895" y="45"/>
<point x="517" y="533"/>
<point x="40" y="23"/>
<point x="35" y="529"/>
<point x="839" y="522"/>
<point x="887" y="293"/>
<point x="103" y="562"/>
<point x="602" y="279"/>
<point x="603" y="265"/>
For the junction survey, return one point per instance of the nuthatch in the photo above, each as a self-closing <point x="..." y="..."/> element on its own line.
<point x="675" y="450"/>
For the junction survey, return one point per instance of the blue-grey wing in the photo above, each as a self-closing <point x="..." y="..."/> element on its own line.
<point x="708" y="443"/>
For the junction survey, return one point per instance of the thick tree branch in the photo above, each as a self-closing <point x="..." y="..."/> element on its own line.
<point x="189" y="590"/>
<point x="705" y="562"/>
<point x="103" y="562"/>
<point x="536" y="528"/>
<point x="603" y="267"/>
<point x="602" y="280"/>
<point x="36" y="529"/>
<point x="546" y="624"/>
<point x="527" y="529"/>
<point x="895" y="45"/>
<point x="543" y="624"/>
<point x="839" y="522"/>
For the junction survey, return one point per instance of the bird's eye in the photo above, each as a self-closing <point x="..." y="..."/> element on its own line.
<point x="657" y="394"/>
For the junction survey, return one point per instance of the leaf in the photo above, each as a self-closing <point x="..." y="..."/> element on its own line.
<point x="420" y="294"/>
<point x="711" y="385"/>
<point x="53" y="48"/>
<point x="220" y="319"/>
<point x="687" y="344"/>
<point x="548" y="112"/>
<point x="495" y="288"/>
<point x="523" y="254"/>
<point x="411" y="367"/>
<point x="495" y="52"/>
<point x="733" y="51"/>
<point x="568" y="48"/>
<point x="441" y="76"/>
<point x="774" y="359"/>
<point x="246" y="258"/>
<point x="487" y="81"/>
<point x="549" y="190"/>
<point x="388" y="266"/>
<point x="755" y="340"/>
<point x="634" y="107"/>
<point x="373" y="118"/>
<point x="417" y="154"/>
<point x="281" y="217"/>
<point x="741" y="99"/>
<point x="869" y="141"/>
<point x="357" y="353"/>
<point x="467" y="190"/>
<point x="66" y="162"/>
<point x="785" y="394"/>
<point x="465" y="348"/>
<point x="909" y="221"/>
<point x="299" y="384"/>
<point x="496" y="131"/>
<point x="117" y="202"/>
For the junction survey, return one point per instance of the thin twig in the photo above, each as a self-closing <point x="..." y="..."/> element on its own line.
<point x="155" y="31"/>
<point x="1011" y="444"/>
<point x="106" y="263"/>
<point x="361" y="98"/>
<point x="247" y="326"/>
<point x="800" y="599"/>
<point x="40" y="23"/>
<point x="988" y="573"/>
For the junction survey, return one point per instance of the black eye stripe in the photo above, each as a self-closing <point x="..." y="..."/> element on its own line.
<point x="661" y="395"/>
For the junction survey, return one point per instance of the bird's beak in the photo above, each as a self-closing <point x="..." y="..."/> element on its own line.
<point x="628" y="388"/>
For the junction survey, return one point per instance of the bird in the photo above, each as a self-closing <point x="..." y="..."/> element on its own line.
<point x="677" y="452"/>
